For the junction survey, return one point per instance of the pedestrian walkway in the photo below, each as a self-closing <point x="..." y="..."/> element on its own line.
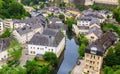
<point x="78" y="69"/>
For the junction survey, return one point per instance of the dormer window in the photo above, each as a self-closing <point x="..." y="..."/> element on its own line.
<point x="93" y="50"/>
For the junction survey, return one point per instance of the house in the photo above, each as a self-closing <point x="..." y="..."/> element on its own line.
<point x="95" y="52"/>
<point x="106" y="14"/>
<point x="93" y="34"/>
<point x="109" y="2"/>
<point x="97" y="16"/>
<point x="4" y="45"/>
<point x="90" y="27"/>
<point x="32" y="26"/>
<point x="54" y="20"/>
<point x="8" y="23"/>
<point x="1" y="26"/>
<point x="28" y="9"/>
<point x="50" y="41"/>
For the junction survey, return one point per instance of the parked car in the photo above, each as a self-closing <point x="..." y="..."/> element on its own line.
<point x="78" y="62"/>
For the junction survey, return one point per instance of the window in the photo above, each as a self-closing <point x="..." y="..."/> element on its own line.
<point x="98" y="58"/>
<point x="41" y="48"/>
<point x="38" y="48"/>
<point x="97" y="62"/>
<point x="52" y="50"/>
<point x="92" y="37"/>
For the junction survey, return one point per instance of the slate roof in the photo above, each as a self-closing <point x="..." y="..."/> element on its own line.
<point x="96" y="31"/>
<point x="84" y="19"/>
<point x="48" y="38"/>
<point x="54" y="19"/>
<point x="4" y="43"/>
<point x="57" y="26"/>
<point x="103" y="43"/>
<point x="27" y="29"/>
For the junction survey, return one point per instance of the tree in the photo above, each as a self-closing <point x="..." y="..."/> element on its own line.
<point x="61" y="16"/>
<point x="41" y="5"/>
<point x="83" y="42"/>
<point x="15" y="52"/>
<point x="32" y="67"/>
<point x="6" y="34"/>
<point x="12" y="70"/>
<point x="69" y="22"/>
<point x="116" y="14"/>
<point x="52" y="58"/>
<point x="11" y="9"/>
<point x="81" y="51"/>
<point x="62" y="5"/>
<point x="81" y="7"/>
<point x="110" y="58"/>
<point x="117" y="72"/>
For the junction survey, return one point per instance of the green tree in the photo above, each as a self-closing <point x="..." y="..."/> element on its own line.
<point x="15" y="52"/>
<point x="52" y="58"/>
<point x="33" y="67"/>
<point x="83" y="42"/>
<point x="6" y="34"/>
<point x="69" y="22"/>
<point x="116" y="14"/>
<point x="81" y="50"/>
<point x="11" y="9"/>
<point x="62" y="5"/>
<point x="61" y="16"/>
<point x="41" y="5"/>
<point x="81" y="7"/>
<point x="117" y="72"/>
<point x="12" y="70"/>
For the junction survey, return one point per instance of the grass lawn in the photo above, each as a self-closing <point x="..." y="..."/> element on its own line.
<point x="42" y="62"/>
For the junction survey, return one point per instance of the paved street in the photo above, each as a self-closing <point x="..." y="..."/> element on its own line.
<point x="78" y="68"/>
<point x="25" y="57"/>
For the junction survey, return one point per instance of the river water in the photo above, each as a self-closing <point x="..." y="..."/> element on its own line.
<point x="70" y="57"/>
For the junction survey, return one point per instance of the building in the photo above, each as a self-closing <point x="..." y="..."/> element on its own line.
<point x="50" y="41"/>
<point x="54" y="20"/>
<point x="8" y="23"/>
<point x="109" y="2"/>
<point x="95" y="52"/>
<point x="4" y="45"/>
<point x="56" y="23"/>
<point x="1" y="26"/>
<point x="28" y="28"/>
<point x="90" y="27"/>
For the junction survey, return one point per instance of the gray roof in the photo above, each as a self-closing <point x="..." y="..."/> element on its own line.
<point x="83" y="27"/>
<point x="48" y="38"/>
<point x="34" y="20"/>
<point x="54" y="19"/>
<point x="85" y="19"/>
<point x="57" y="26"/>
<point x="27" y="29"/>
<point x="50" y="32"/>
<point x="5" y="43"/>
<point x="95" y="16"/>
<point x="96" y="31"/>
<point x="103" y="43"/>
<point x="94" y="21"/>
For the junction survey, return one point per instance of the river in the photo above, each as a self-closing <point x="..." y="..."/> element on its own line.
<point x="70" y="57"/>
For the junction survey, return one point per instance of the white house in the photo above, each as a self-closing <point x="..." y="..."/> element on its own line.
<point x="25" y="33"/>
<point x="27" y="28"/>
<point x="50" y="41"/>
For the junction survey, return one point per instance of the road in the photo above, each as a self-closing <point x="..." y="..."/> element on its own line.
<point x="78" y="69"/>
<point x="25" y="57"/>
